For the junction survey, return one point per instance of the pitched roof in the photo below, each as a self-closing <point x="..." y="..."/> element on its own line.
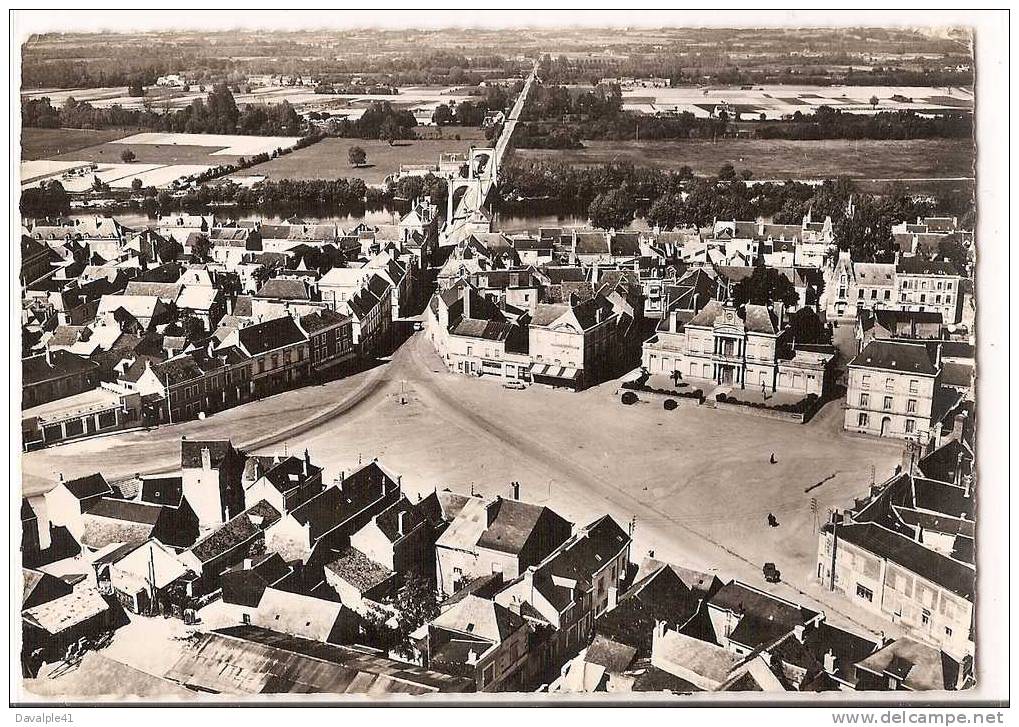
<point x="479" y="617"/>
<point x="62" y="613"/>
<point x="268" y="336"/>
<point x="957" y="577"/>
<point x="191" y="452"/>
<point x="300" y="615"/>
<point x="113" y="508"/>
<point x="162" y="490"/>
<point x="917" y="265"/>
<point x="338" y="503"/>
<point x="916" y="665"/>
<point x="88" y="486"/>
<point x="889" y="355"/>
<point x="267" y="661"/>
<point x="235" y="531"/>
<point x="359" y="570"/>
<point x="615" y="657"/>
<point x="37" y="369"/>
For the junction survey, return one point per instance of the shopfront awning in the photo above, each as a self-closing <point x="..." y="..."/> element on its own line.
<point x="553" y="371"/>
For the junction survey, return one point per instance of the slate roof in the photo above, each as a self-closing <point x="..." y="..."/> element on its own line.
<point x="88" y="486"/>
<point x="268" y="336"/>
<point x="336" y="504"/>
<point x="325" y="318"/>
<point x="36" y="370"/>
<point x="191" y="452"/>
<point x="162" y="490"/>
<point x="115" y="509"/>
<point x="918" y="666"/>
<point x="283" y="289"/>
<point x="388" y="521"/>
<point x="917" y="265"/>
<point x="956" y="577"/>
<point x="282" y="473"/>
<point x="889" y="355"/>
<point x="765" y="617"/>
<point x="512" y="525"/>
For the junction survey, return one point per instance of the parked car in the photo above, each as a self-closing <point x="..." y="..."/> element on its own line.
<point x="514" y="384"/>
<point x="771" y="573"/>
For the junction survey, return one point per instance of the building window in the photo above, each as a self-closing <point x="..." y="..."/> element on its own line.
<point x="863" y="419"/>
<point x="864" y="593"/>
<point x="864" y="399"/>
<point x="862" y="293"/>
<point x="902" y="298"/>
<point x="887" y="403"/>
<point x="925" y="618"/>
<point x="873" y="294"/>
<point x="889" y="383"/>
<point x="914" y="386"/>
<point x="888" y="294"/>
<point x="911" y="406"/>
<point x="948" y="631"/>
<point x="910" y="426"/>
<point x="865" y="380"/>
<point x="948" y="285"/>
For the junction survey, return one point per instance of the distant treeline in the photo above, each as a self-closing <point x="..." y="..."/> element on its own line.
<point x="685" y="70"/>
<point x="215" y="114"/>
<point x="560" y="118"/>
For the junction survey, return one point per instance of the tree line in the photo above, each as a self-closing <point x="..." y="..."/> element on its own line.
<point x="218" y="113"/>
<point x="613" y="195"/>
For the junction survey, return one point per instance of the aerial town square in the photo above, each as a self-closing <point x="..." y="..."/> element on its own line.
<point x="429" y="362"/>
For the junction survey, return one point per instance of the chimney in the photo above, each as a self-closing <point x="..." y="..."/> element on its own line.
<point x="307" y="460"/>
<point x="401" y="516"/>
<point x="49" y="361"/>
<point x="247" y="564"/>
<point x="798" y="630"/>
<point x="516" y="490"/>
<point x="472" y="657"/>
<point x="206" y="459"/>
<point x="829" y="662"/>
<point x="467" y="302"/>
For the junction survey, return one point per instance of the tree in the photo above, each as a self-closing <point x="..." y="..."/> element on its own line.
<point x="874" y="101"/>
<point x="127" y="156"/>
<point x="389" y="132"/>
<point x="612" y="210"/>
<point x="416" y="604"/>
<point x="357" y="156"/>
<point x="201" y="249"/>
<point x="136" y="185"/>
<point x="666" y="212"/>
<point x="727" y="172"/>
<point x="443" y="115"/>
<point x="956" y="253"/>
<point x="806" y="327"/>
<point x="764" y="286"/>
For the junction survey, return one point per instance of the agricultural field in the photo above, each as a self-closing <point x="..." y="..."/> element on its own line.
<point x="159" y="159"/>
<point x="52" y="143"/>
<point x="779" y="100"/>
<point x="781" y="159"/>
<point x="328" y="158"/>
